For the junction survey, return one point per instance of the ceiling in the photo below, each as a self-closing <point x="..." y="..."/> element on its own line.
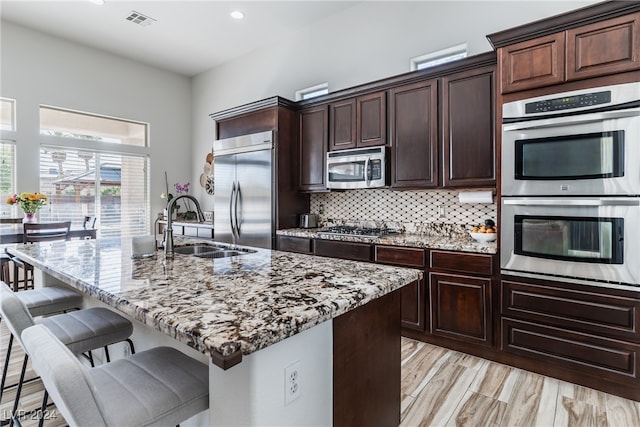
<point x="187" y="37"/>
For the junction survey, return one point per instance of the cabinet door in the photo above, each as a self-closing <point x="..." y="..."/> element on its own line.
<point x="313" y="148"/>
<point x="461" y="308"/>
<point x="414" y="135"/>
<point x="371" y="120"/>
<point x="413" y="299"/>
<point x="468" y="113"/>
<point x="607" y="47"/>
<point x="532" y="63"/>
<point x="342" y="127"/>
<point x="294" y="244"/>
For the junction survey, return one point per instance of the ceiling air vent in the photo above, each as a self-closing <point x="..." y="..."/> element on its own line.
<point x="140" y="19"/>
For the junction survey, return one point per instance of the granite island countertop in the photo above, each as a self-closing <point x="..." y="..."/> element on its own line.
<point x="455" y="242"/>
<point x="221" y="307"/>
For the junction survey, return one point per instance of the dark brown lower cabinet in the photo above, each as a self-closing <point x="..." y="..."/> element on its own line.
<point x="344" y="250"/>
<point x="461" y="308"/>
<point x="301" y="245"/>
<point x="588" y="335"/>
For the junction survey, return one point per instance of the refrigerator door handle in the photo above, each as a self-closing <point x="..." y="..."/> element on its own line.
<point x="233" y="191"/>
<point x="238" y="196"/>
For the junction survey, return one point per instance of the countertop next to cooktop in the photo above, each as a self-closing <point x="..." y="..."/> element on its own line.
<point x="455" y="242"/>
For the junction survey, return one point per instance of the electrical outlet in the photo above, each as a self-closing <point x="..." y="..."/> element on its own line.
<point x="442" y="213"/>
<point x="292" y="382"/>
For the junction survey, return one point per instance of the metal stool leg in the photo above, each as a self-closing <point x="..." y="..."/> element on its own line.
<point x="43" y="408"/>
<point x="6" y="366"/>
<point x="19" y="390"/>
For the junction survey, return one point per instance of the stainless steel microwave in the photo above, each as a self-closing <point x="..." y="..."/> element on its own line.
<point x="357" y="168"/>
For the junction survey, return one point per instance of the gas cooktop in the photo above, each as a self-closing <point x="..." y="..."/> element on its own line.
<point x="352" y="230"/>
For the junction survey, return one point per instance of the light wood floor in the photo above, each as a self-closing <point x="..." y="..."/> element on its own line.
<point x="440" y="387"/>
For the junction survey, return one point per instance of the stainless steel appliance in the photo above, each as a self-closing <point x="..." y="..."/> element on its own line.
<point x="357" y="168"/>
<point x="584" y="142"/>
<point x="589" y="238"/>
<point x="243" y="199"/>
<point x="308" y="220"/>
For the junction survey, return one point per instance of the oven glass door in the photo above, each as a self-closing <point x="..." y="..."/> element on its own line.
<point x="578" y="239"/>
<point x="588" y="238"/>
<point x="593" y="154"/>
<point x="569" y="157"/>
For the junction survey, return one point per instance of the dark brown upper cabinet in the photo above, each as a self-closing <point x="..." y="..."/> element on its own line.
<point x="601" y="48"/>
<point x="413" y="130"/>
<point x="358" y="122"/>
<point x="313" y="126"/>
<point x="468" y="117"/>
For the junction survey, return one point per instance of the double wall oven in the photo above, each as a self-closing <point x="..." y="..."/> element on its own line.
<point x="571" y="185"/>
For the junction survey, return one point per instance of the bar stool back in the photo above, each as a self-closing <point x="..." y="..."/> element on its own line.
<point x="160" y="386"/>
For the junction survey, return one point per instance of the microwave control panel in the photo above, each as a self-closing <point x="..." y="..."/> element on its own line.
<point x="376" y="169"/>
<point x="568" y="102"/>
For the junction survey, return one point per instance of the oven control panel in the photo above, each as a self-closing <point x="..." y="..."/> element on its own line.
<point x="568" y="102"/>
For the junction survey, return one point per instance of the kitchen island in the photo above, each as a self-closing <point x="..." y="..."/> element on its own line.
<point x="256" y="316"/>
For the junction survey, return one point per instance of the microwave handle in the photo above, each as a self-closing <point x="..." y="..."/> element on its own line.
<point x="608" y="201"/>
<point x="366" y="170"/>
<point x="574" y="120"/>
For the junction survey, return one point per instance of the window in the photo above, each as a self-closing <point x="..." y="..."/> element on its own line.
<point x="439" y="57"/>
<point x="82" y="178"/>
<point x="7" y="114"/>
<point x="73" y="124"/>
<point x="312" y="92"/>
<point x="7" y="177"/>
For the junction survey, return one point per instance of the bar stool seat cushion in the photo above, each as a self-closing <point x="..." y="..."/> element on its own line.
<point x="50" y="299"/>
<point x="88" y="329"/>
<point x="161" y="386"/>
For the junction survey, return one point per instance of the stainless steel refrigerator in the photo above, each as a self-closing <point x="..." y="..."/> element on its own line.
<point x="244" y="180"/>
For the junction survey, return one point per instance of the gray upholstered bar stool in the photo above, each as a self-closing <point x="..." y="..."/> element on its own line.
<point x="160" y="386"/>
<point x="40" y="302"/>
<point x="81" y="331"/>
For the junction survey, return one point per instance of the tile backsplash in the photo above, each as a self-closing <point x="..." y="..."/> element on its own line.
<point x="410" y="208"/>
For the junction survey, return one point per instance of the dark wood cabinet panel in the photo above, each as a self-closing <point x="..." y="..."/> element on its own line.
<point x="295" y="244"/>
<point x="607" y="47"/>
<point x="342" y="118"/>
<point x="313" y="128"/>
<point x="344" y="250"/>
<point x="532" y="63"/>
<point x="461" y="262"/>
<point x="468" y="112"/>
<point x="591" y="354"/>
<point x="461" y="308"/>
<point x="371" y="119"/>
<point x="598" y="311"/>
<point x="406" y="257"/>
<point x="413" y="298"/>
<point x="358" y="122"/>
<point x="413" y="126"/>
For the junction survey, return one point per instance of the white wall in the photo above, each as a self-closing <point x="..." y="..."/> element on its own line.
<point x="368" y="42"/>
<point x="40" y="69"/>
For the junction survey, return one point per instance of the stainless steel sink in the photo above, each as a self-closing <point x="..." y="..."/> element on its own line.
<point x="212" y="251"/>
<point x="196" y="249"/>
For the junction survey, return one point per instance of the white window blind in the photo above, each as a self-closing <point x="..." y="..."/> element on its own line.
<point x="7" y="177"/>
<point x="111" y="187"/>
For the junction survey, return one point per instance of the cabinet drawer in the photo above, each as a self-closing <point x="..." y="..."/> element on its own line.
<point x="409" y="257"/>
<point x="587" y="310"/>
<point x="462" y="262"/>
<point x="294" y="244"/>
<point x="589" y="353"/>
<point x="344" y="250"/>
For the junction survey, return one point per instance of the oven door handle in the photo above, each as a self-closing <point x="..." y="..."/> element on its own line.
<point x="573" y="120"/>
<point x="574" y="202"/>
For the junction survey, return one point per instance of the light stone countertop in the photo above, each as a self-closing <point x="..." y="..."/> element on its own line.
<point x="223" y="306"/>
<point x="455" y="242"/>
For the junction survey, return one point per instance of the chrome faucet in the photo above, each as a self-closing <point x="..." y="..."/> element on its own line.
<point x="168" y="235"/>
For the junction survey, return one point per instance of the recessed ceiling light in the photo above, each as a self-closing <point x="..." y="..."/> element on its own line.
<point x="236" y="14"/>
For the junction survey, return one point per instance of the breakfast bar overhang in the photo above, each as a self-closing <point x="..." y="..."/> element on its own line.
<point x="254" y="316"/>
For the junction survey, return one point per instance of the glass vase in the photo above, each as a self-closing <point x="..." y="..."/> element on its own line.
<point x="29" y="217"/>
